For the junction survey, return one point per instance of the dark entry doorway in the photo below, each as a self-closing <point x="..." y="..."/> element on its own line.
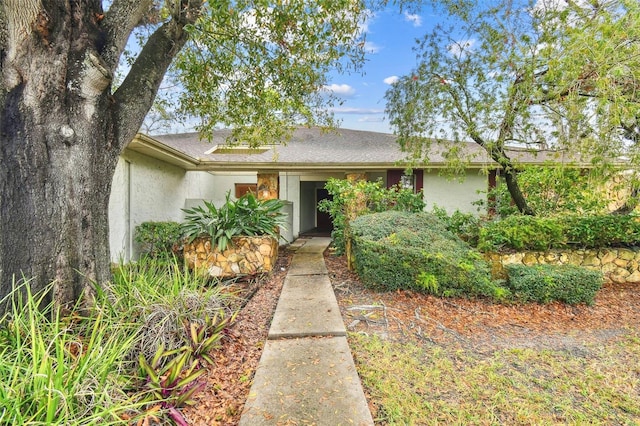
<point x="323" y="220"/>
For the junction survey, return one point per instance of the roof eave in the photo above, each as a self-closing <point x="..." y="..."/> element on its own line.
<point x="146" y="145"/>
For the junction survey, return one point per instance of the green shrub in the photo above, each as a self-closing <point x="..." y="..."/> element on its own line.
<point x="399" y="250"/>
<point x="543" y="233"/>
<point x="545" y="283"/>
<point x="158" y="239"/>
<point x="464" y="225"/>
<point x="521" y="233"/>
<point x="602" y="230"/>
<point x="364" y="197"/>
<point x="552" y="190"/>
<point x="246" y="216"/>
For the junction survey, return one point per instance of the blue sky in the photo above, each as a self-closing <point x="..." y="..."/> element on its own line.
<point x="390" y="36"/>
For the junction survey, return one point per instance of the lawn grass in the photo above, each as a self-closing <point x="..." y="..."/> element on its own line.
<point x="414" y="384"/>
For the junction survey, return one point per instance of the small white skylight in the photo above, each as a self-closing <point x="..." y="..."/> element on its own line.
<point x="227" y="149"/>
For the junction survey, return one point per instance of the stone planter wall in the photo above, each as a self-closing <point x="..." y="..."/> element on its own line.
<point x="246" y="256"/>
<point x="617" y="265"/>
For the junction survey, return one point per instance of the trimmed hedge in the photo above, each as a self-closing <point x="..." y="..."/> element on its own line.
<point x="157" y="239"/>
<point x="543" y="233"/>
<point x="399" y="250"/>
<point x="545" y="283"/>
<point x="602" y="230"/>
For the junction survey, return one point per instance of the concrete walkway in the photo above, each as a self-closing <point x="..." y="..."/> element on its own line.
<point x="306" y="373"/>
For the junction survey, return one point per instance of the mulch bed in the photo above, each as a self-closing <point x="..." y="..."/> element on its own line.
<point x="481" y="324"/>
<point x="408" y="317"/>
<point x="229" y="380"/>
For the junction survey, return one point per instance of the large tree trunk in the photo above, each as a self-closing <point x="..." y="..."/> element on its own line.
<point x="54" y="195"/>
<point x="498" y="154"/>
<point x="61" y="132"/>
<point x="57" y="156"/>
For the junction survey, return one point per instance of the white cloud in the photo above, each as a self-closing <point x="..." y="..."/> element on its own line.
<point x="367" y="119"/>
<point x="460" y="47"/>
<point x="369" y="17"/>
<point x="413" y="18"/>
<point x="391" y="79"/>
<point x="351" y="110"/>
<point x="340" y="89"/>
<point x="371" y="47"/>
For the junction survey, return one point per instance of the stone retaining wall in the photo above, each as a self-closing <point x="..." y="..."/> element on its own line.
<point x="618" y="265"/>
<point x="245" y="256"/>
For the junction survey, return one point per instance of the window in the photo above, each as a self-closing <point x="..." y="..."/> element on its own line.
<point x="398" y="177"/>
<point x="408" y="181"/>
<point x="244" y="188"/>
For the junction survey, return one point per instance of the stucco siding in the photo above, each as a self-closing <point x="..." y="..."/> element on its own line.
<point x="225" y="182"/>
<point x="290" y="191"/>
<point x="201" y="185"/>
<point x="144" y="189"/>
<point x="454" y="193"/>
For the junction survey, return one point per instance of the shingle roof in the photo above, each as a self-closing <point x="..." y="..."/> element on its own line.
<point x="309" y="148"/>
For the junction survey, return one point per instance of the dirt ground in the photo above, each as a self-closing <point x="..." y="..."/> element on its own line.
<point x="407" y="316"/>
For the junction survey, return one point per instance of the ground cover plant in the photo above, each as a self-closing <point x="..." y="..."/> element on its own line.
<point x="417" y="384"/>
<point x="63" y="370"/>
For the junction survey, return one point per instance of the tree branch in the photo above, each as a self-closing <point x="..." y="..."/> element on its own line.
<point x="137" y="92"/>
<point x="119" y="21"/>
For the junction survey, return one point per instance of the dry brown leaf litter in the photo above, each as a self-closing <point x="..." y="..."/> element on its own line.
<point x="407" y="316"/>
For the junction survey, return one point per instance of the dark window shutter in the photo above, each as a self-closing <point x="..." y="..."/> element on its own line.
<point x="419" y="174"/>
<point x="393" y="177"/>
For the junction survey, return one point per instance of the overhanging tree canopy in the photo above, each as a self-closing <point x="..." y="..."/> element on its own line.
<point x="255" y="64"/>
<point x="544" y="74"/>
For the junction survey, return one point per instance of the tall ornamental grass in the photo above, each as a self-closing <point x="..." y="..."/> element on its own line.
<point x="76" y="369"/>
<point x="62" y="370"/>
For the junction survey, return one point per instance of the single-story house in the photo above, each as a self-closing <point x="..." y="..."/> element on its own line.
<point x="156" y="177"/>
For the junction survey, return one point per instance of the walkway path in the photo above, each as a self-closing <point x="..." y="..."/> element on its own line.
<point x="306" y="373"/>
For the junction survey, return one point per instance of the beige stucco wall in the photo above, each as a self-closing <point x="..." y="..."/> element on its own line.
<point x="454" y="193"/>
<point x="146" y="189"/>
<point x="290" y="191"/>
<point x="119" y="213"/>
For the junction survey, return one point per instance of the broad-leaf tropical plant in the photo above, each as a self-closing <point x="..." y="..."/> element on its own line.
<point x="246" y="216"/>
